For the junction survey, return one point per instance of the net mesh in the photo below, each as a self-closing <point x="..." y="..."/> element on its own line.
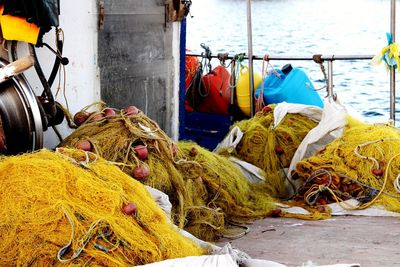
<point x="69" y="208"/>
<point x="205" y="194"/>
<point x="363" y="164"/>
<point x="271" y="148"/>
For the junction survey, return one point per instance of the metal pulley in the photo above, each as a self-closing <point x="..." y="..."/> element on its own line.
<point x="20" y="114"/>
<point x="23" y="115"/>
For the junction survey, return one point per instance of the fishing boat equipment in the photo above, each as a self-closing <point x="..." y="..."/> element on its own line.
<point x="71" y="211"/>
<point x="195" y="91"/>
<point x="318" y="58"/>
<point x="289" y="84"/>
<point x="218" y="96"/>
<point x="362" y="164"/>
<point x="205" y="189"/>
<point x="25" y="116"/>
<point x="210" y="92"/>
<point x="271" y="147"/>
<point x="20" y="114"/>
<point x="244" y="98"/>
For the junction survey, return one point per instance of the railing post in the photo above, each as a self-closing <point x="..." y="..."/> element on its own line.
<point x="250" y="52"/>
<point x="329" y="88"/>
<point x="392" y="70"/>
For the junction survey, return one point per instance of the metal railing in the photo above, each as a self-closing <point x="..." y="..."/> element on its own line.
<point x="316" y="58"/>
<point x="392" y="70"/>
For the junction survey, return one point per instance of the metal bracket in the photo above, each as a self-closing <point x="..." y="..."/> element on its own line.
<point x="176" y="10"/>
<point x="101" y="14"/>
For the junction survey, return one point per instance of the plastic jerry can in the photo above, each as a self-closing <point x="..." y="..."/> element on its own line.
<point x="290" y="85"/>
<point x="243" y="88"/>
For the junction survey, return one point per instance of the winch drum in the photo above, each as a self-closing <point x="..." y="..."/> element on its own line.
<point x="20" y="114"/>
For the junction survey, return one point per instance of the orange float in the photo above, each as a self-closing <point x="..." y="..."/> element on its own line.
<point x="217" y="93"/>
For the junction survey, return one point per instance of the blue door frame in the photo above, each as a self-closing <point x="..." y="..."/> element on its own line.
<point x="205" y="129"/>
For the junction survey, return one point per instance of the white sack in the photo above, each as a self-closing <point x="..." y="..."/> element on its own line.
<point x="197" y="261"/>
<point x="280" y="111"/>
<point x="252" y="172"/>
<point x="161" y="199"/>
<point x="329" y="128"/>
<point x="231" y="140"/>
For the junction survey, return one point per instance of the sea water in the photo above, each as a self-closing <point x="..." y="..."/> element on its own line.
<point x="305" y="28"/>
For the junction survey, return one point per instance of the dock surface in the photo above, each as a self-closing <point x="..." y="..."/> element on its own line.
<point x="368" y="241"/>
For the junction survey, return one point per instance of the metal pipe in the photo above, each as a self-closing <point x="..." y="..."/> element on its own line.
<point x="392" y="70"/>
<point x="324" y="57"/>
<point x="329" y="88"/>
<point x="232" y="83"/>
<point x="250" y="56"/>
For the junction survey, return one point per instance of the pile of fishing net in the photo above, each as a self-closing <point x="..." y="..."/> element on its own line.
<point x="270" y="147"/>
<point x="206" y="190"/>
<point x="215" y="185"/>
<point x="73" y="208"/>
<point x="363" y="164"/>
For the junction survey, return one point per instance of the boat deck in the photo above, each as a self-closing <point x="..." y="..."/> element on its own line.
<point x="368" y="241"/>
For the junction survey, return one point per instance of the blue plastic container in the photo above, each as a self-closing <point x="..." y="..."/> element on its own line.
<point x="292" y="86"/>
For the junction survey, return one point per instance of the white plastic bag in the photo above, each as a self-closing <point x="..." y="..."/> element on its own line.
<point x="252" y="172"/>
<point x="329" y="128"/>
<point x="161" y="199"/>
<point x="231" y="140"/>
<point x="197" y="261"/>
<point x="281" y="109"/>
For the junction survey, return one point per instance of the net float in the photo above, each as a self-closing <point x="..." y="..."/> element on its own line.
<point x="377" y="172"/>
<point x="129" y="209"/>
<point x="96" y="116"/>
<point x="266" y="109"/>
<point x="141" y="152"/>
<point x="193" y="152"/>
<point x="109" y="113"/>
<point x="80" y="117"/>
<point x="141" y="173"/>
<point x="276" y="212"/>
<point x="279" y="150"/>
<point x="84" y="145"/>
<point x="130" y="110"/>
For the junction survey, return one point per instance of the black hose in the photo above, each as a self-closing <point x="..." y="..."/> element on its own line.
<point x="46" y="88"/>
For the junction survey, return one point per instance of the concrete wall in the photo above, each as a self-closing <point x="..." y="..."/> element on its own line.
<point x="136" y="59"/>
<point x="133" y="61"/>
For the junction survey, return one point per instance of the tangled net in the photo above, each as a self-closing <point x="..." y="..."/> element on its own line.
<point x="271" y="149"/>
<point x="363" y="164"/>
<point x="73" y="208"/>
<point x="217" y="186"/>
<point x="204" y="193"/>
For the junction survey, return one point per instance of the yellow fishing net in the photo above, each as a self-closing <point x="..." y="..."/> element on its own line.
<point x="218" y="186"/>
<point x="363" y="164"/>
<point x="73" y="208"/>
<point x="271" y="148"/>
<point x="204" y="193"/>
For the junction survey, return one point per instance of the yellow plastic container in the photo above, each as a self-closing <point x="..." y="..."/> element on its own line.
<point x="243" y="88"/>
<point x="17" y="28"/>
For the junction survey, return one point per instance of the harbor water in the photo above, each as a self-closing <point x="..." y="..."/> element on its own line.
<point x="305" y="28"/>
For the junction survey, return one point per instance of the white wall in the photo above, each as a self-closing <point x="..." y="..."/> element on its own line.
<point x="78" y="19"/>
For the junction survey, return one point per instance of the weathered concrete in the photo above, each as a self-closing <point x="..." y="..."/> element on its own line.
<point x="135" y="58"/>
<point x="369" y="241"/>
